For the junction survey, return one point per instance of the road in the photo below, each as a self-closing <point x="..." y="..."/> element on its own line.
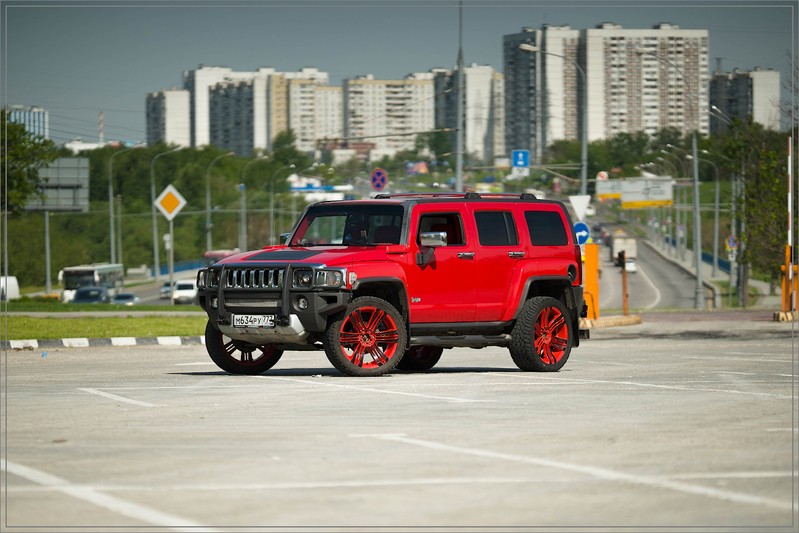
<point x="681" y="422"/>
<point x="658" y="283"/>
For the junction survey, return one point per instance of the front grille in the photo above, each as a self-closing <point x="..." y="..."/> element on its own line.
<point x="252" y="304"/>
<point x="249" y="278"/>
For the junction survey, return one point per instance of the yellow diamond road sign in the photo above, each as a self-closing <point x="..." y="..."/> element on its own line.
<point x="170" y="202"/>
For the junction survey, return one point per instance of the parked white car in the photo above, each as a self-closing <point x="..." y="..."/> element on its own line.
<point x="185" y="292"/>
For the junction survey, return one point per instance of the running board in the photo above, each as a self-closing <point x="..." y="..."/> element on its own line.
<point x="461" y="341"/>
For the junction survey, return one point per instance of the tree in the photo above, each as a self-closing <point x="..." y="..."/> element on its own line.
<point x="22" y="154"/>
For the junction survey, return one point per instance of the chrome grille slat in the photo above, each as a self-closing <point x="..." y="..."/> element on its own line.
<point x="250" y="278"/>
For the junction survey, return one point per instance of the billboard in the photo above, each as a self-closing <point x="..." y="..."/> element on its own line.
<point x="638" y="193"/>
<point x="65" y="186"/>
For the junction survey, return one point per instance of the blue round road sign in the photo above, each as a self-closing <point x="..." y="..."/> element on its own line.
<point x="379" y="179"/>
<point x="582" y="231"/>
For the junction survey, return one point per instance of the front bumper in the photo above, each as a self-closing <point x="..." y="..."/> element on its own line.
<point x="300" y="314"/>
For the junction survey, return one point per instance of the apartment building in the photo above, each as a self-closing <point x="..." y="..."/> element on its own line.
<point x="36" y="120"/>
<point x="245" y="111"/>
<point x="743" y="95"/>
<point x="543" y="91"/>
<point x="646" y="79"/>
<point x="168" y="117"/>
<point x="483" y="110"/>
<point x="636" y="80"/>
<point x="388" y="113"/>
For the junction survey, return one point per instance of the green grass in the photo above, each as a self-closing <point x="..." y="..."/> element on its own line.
<point x="158" y="322"/>
<point x="27" y="327"/>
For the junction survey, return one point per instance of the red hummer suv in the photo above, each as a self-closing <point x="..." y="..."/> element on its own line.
<point x="394" y="280"/>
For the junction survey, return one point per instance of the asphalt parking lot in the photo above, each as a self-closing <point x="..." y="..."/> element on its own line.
<point x="673" y="424"/>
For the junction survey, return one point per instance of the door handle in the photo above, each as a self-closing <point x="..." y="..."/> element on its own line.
<point x="516" y="255"/>
<point x="465" y="255"/>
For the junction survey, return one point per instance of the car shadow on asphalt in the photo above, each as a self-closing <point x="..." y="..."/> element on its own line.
<point x="332" y="372"/>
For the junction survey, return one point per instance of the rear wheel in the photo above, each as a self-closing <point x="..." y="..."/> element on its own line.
<point x="367" y="340"/>
<point x="420" y="358"/>
<point x="541" y="340"/>
<point x="239" y="357"/>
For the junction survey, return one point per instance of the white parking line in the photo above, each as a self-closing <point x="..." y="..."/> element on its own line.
<point x="593" y="471"/>
<point x="381" y="391"/>
<point x="665" y="387"/>
<point x="118" y="398"/>
<point x="112" y="503"/>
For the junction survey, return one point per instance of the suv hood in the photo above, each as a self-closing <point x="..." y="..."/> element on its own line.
<point x="328" y="255"/>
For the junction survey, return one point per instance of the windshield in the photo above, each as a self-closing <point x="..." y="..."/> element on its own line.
<point x="75" y="280"/>
<point x="350" y="225"/>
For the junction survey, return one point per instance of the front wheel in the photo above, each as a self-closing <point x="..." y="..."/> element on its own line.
<point x="420" y="358"/>
<point x="541" y="340"/>
<point x="239" y="357"/>
<point x="367" y="340"/>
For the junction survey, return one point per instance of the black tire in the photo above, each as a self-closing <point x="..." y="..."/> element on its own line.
<point x="239" y="357"/>
<point x="367" y="339"/>
<point x="542" y="337"/>
<point x="420" y="358"/>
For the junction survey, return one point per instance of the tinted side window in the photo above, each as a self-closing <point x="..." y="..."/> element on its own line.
<point x="449" y="223"/>
<point x="546" y="228"/>
<point x="496" y="228"/>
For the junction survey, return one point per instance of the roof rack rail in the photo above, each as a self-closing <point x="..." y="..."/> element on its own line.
<point x="469" y="195"/>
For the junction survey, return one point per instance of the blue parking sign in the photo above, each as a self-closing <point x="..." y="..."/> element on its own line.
<point x="520" y="158"/>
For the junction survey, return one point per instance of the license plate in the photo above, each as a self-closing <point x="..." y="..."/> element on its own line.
<point x="254" y="321"/>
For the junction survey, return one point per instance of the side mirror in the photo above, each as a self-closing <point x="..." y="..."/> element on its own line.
<point x="433" y="239"/>
<point x="284" y="237"/>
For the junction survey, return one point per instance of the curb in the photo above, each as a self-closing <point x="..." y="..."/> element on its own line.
<point x="32" y="344"/>
<point x="610" y="321"/>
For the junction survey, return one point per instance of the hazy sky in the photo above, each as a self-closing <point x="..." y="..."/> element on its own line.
<point x="77" y="58"/>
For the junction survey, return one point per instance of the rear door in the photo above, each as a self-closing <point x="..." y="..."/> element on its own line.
<point x="497" y="252"/>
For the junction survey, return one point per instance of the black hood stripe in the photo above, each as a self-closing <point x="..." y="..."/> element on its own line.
<point x="283" y="255"/>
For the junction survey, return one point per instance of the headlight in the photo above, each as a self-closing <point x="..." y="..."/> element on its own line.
<point x="303" y="279"/>
<point x="325" y="279"/>
<point x="329" y="278"/>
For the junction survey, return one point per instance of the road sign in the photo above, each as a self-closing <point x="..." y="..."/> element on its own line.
<point x="520" y="158"/>
<point x="170" y="202"/>
<point x="580" y="203"/>
<point x="379" y="179"/>
<point x="582" y="231"/>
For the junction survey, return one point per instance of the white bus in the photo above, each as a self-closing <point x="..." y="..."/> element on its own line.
<point x="107" y="275"/>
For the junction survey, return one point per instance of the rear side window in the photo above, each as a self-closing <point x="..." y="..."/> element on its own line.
<point x="546" y="228"/>
<point x="496" y="228"/>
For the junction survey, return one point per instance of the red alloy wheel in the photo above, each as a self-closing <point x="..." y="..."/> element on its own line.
<point x="369" y="331"/>
<point x="551" y="335"/>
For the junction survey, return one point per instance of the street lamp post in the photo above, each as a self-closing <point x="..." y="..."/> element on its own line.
<point x="243" y="217"/>
<point x="156" y="261"/>
<point x="525" y="47"/>
<point x="111" y="233"/>
<point x="243" y="202"/>
<point x="715" y="213"/>
<point x="208" y="223"/>
<point x="272" y="202"/>
<point x="699" y="293"/>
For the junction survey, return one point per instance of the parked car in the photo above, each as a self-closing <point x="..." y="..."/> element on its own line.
<point x="163" y="293"/>
<point x="630" y="266"/>
<point x="125" y="298"/>
<point x="392" y="282"/>
<point x="91" y="295"/>
<point x="185" y="292"/>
